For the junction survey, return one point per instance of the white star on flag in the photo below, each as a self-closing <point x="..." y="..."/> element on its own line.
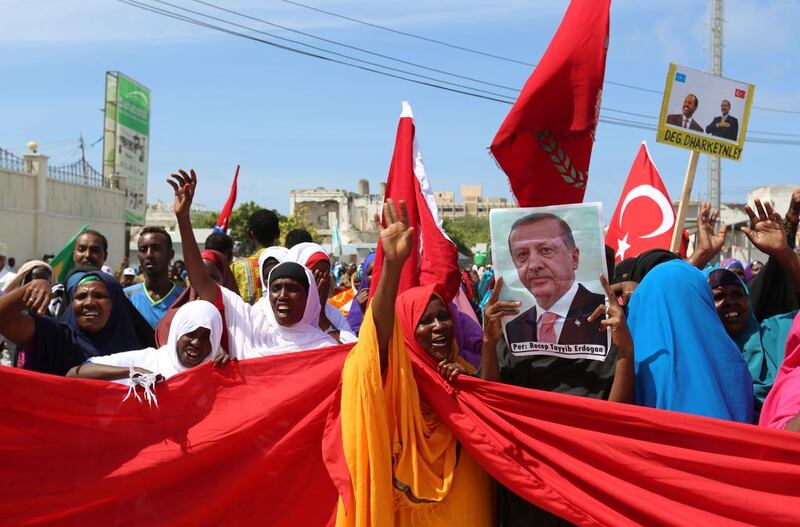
<point x="622" y="246"/>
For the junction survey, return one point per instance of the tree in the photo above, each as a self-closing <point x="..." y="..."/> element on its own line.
<point x="467" y="231"/>
<point x="297" y="221"/>
<point x="204" y="220"/>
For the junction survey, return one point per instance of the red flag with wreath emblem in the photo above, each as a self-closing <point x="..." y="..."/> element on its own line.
<point x="545" y="143"/>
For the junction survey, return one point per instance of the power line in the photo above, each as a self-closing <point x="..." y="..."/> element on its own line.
<point x="491" y="55"/>
<point x="430" y="81"/>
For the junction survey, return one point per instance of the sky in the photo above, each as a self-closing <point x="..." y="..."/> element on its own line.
<point x="295" y="122"/>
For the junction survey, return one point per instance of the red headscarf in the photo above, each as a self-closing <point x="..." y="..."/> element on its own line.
<point x="410" y="306"/>
<point x="223" y="266"/>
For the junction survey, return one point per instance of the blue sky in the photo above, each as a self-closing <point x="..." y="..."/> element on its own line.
<point x="297" y="122"/>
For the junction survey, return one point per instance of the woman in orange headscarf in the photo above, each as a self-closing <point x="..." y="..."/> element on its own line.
<point x="406" y="467"/>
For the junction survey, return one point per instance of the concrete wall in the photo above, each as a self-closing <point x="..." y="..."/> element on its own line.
<point x="38" y="214"/>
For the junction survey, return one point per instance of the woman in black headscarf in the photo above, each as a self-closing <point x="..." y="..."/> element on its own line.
<point x="98" y="321"/>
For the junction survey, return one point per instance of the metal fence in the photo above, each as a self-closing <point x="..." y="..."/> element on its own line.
<point x="80" y="172"/>
<point x="10" y="161"/>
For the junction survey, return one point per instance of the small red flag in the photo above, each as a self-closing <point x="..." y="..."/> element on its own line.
<point x="227" y="209"/>
<point x="545" y="143"/>
<point x="644" y="218"/>
<point x="434" y="258"/>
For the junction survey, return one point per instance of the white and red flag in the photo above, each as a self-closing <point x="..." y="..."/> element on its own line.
<point x="227" y="209"/>
<point x="434" y="258"/>
<point x="644" y="217"/>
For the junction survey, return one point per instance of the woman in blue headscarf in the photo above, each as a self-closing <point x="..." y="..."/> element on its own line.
<point x="761" y="344"/>
<point x="685" y="361"/>
<point x="359" y="304"/>
<point x="99" y="320"/>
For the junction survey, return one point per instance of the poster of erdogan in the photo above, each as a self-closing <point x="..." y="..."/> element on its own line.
<point x="551" y="259"/>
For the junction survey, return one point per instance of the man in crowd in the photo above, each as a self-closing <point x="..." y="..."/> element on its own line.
<point x="153" y="297"/>
<point x="127" y="277"/>
<point x="6" y="274"/>
<point x="295" y="236"/>
<point x="219" y="241"/>
<point x="263" y="230"/>
<point x="90" y="249"/>
<point x="725" y="126"/>
<point x="684" y="120"/>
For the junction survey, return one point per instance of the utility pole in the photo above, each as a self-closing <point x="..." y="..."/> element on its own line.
<point x="83" y="159"/>
<point x="714" y="167"/>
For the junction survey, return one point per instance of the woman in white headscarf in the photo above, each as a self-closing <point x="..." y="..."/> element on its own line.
<point x="284" y="321"/>
<point x="316" y="260"/>
<point x="269" y="258"/>
<point x="194" y="338"/>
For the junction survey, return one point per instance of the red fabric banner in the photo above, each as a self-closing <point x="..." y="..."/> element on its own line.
<point x="243" y="445"/>
<point x="240" y="445"/>
<point x="545" y="143"/>
<point x="644" y="218"/>
<point x="434" y="258"/>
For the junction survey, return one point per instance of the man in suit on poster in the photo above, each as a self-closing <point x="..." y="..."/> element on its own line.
<point x="684" y="120"/>
<point x="725" y="126"/>
<point x="545" y="255"/>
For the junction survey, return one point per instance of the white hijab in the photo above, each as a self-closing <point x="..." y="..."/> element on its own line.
<point x="279" y="253"/>
<point x="303" y="335"/>
<point x="164" y="360"/>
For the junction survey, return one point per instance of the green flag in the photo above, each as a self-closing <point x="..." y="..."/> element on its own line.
<point x="62" y="263"/>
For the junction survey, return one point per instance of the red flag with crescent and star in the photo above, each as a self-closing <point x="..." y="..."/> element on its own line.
<point x="644" y="217"/>
<point x="545" y="142"/>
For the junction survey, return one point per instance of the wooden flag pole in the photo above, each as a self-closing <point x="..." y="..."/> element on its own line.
<point x="686" y="194"/>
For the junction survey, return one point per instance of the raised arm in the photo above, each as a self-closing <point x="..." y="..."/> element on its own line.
<point x="623" y="388"/>
<point x="493" y="314"/>
<point x="184" y="186"/>
<point x="16" y="325"/>
<point x="396" y="239"/>
<point x="103" y="372"/>
<point x="767" y="234"/>
<point x="709" y="240"/>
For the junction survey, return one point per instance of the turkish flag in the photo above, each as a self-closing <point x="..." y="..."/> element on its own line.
<point x="644" y="217"/>
<point x="434" y="258"/>
<point x="545" y="143"/>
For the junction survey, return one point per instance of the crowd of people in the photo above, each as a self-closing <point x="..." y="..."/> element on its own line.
<point x="718" y="340"/>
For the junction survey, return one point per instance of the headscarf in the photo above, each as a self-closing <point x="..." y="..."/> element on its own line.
<point x="125" y="330"/>
<point x="684" y="359"/>
<point x="26" y="268"/>
<point x="731" y="263"/>
<point x="622" y="271"/>
<point x="783" y="402"/>
<point x="190" y="295"/>
<point x="648" y="260"/>
<point x="761" y="345"/>
<point x="276" y="253"/>
<point x="303" y="335"/>
<point x="164" y="360"/>
<point x="223" y="266"/>
<point x="355" y="316"/>
<point x="402" y="456"/>
<point x="485" y="284"/>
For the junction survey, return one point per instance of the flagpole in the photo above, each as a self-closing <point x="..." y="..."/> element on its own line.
<point x="686" y="194"/>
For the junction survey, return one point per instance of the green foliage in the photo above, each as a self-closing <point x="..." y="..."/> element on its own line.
<point x="238" y="225"/>
<point x="204" y="220"/>
<point x="467" y="231"/>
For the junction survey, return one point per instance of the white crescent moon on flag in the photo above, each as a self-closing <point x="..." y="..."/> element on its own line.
<point x="649" y="191"/>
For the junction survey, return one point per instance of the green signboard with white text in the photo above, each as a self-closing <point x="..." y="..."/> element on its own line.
<point x="127" y="141"/>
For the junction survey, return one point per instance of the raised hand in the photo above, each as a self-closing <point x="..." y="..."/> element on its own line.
<point x="793" y="214"/>
<point x="37" y="296"/>
<point x="184" y="186"/>
<point x="615" y="319"/>
<point x="494" y="311"/>
<point x="708" y="239"/>
<point x="397" y="238"/>
<point x="766" y="230"/>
